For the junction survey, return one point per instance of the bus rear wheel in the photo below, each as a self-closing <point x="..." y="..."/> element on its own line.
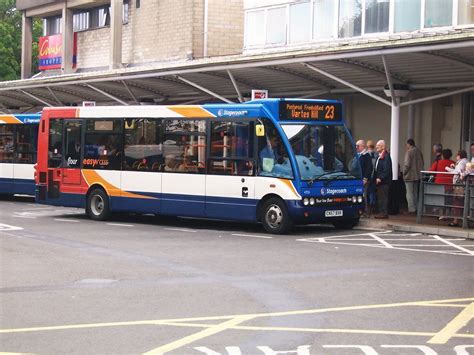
<point x="98" y="206"/>
<point x="274" y="216"/>
<point x="346" y="224"/>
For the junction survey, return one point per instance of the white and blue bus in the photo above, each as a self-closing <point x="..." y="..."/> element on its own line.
<point x="18" y="147"/>
<point x="275" y="161"/>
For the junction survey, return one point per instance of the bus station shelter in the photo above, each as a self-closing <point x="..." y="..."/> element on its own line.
<point x="403" y="70"/>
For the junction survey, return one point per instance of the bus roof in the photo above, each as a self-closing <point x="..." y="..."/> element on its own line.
<point x="32" y="118"/>
<point x="278" y="109"/>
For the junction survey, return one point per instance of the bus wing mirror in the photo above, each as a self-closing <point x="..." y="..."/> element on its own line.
<point x="260" y="130"/>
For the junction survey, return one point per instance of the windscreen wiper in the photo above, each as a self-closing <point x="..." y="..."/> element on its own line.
<point x="310" y="182"/>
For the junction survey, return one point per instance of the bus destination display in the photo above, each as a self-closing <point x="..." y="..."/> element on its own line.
<point x="310" y="111"/>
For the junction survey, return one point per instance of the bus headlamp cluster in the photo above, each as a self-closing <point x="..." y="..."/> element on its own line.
<point x="310" y="201"/>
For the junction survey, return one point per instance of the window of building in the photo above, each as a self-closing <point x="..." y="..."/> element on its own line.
<point x="324" y="19"/>
<point x="276" y="30"/>
<point x="466" y="12"/>
<point x="350" y="18"/>
<point x="52" y="25"/>
<point x="300" y="22"/>
<point x="232" y="148"/>
<point x="438" y="13"/>
<point x="407" y="15"/>
<point x="376" y="16"/>
<point x="7" y="147"/>
<point x="103" y="146"/>
<point x="97" y="17"/>
<point x="143" y="148"/>
<point x="184" y="146"/>
<point x="81" y="21"/>
<point x="255" y="28"/>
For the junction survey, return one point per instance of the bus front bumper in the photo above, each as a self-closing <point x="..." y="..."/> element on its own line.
<point x="301" y="214"/>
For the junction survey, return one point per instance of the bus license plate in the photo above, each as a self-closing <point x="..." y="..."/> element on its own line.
<point x="333" y="213"/>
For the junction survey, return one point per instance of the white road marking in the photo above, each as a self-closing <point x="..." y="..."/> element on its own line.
<point x="453" y="245"/>
<point x="120" y="224"/>
<point x="7" y="227"/>
<point x="181" y="230"/>
<point x="425" y="349"/>
<point x="251" y="236"/>
<point x="380" y="240"/>
<point x="29" y="217"/>
<point x="367" y="350"/>
<point x="67" y="220"/>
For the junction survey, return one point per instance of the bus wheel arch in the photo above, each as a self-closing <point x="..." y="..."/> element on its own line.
<point x="98" y="203"/>
<point x="272" y="212"/>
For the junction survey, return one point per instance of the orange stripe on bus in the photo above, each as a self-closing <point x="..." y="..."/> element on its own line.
<point x="190" y="111"/>
<point x="9" y="119"/>
<point x="92" y="177"/>
<point x="290" y="185"/>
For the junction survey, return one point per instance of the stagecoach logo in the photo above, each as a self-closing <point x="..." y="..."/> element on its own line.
<point x="328" y="191"/>
<point x="229" y="113"/>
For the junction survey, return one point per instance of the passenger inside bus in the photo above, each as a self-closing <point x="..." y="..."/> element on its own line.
<point x="273" y="159"/>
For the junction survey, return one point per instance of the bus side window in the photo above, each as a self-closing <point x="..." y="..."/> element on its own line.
<point x="55" y="146"/>
<point x="6" y="143"/>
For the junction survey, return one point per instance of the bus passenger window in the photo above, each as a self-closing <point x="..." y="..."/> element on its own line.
<point x="7" y="146"/>
<point x="143" y="148"/>
<point x="103" y="146"/>
<point x="27" y="142"/>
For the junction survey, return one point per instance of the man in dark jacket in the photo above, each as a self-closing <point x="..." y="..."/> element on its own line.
<point x="383" y="178"/>
<point x="367" y="168"/>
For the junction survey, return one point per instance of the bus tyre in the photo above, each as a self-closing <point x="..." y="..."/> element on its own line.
<point x="98" y="207"/>
<point x="274" y="216"/>
<point x="346" y="224"/>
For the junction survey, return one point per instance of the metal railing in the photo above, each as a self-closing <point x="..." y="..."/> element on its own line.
<point x="443" y="199"/>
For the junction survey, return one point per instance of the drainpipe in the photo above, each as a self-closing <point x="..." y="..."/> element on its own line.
<point x="206" y="18"/>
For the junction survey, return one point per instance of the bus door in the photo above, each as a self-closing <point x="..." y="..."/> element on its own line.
<point x="6" y="157"/>
<point x="71" y="171"/>
<point x="230" y="183"/>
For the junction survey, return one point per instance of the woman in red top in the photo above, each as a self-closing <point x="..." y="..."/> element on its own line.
<point x="440" y="165"/>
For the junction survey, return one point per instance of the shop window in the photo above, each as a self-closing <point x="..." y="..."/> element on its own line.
<point x="52" y="25"/>
<point x="232" y="148"/>
<point x="438" y="13"/>
<point x="300" y="22"/>
<point x="7" y="147"/>
<point x="143" y="148"/>
<point x="103" y="145"/>
<point x="350" y="18"/>
<point x="407" y="15"/>
<point x="376" y="16"/>
<point x="184" y="146"/>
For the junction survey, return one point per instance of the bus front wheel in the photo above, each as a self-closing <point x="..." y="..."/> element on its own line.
<point x="98" y="207"/>
<point x="274" y="216"/>
<point x="346" y="224"/>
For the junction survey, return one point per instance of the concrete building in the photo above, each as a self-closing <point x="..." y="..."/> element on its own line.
<point x="196" y="51"/>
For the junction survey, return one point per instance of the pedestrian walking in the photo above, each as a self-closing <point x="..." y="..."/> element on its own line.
<point x="412" y="167"/>
<point x="366" y="168"/>
<point x="383" y="178"/>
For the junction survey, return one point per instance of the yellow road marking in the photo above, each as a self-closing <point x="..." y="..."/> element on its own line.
<point x="454" y="326"/>
<point x="230" y="317"/>
<point x="213" y="329"/>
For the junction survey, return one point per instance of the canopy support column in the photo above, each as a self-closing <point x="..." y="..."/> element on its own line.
<point x="130" y="92"/>
<point x="395" y="136"/>
<point x="55" y="96"/>
<point x="207" y="91"/>
<point x="411" y="122"/>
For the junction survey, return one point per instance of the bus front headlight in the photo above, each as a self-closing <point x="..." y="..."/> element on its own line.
<point x="354" y="199"/>
<point x="311" y="201"/>
<point x="305" y="202"/>
<point x="360" y="199"/>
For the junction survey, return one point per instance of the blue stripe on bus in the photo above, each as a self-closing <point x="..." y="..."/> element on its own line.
<point x="17" y="186"/>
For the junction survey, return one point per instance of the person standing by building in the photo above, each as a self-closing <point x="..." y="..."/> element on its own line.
<point x="372" y="191"/>
<point x="366" y="168"/>
<point x="438" y="153"/>
<point x="383" y="178"/>
<point x="472" y="152"/>
<point x="412" y="167"/>
<point x="458" y="171"/>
